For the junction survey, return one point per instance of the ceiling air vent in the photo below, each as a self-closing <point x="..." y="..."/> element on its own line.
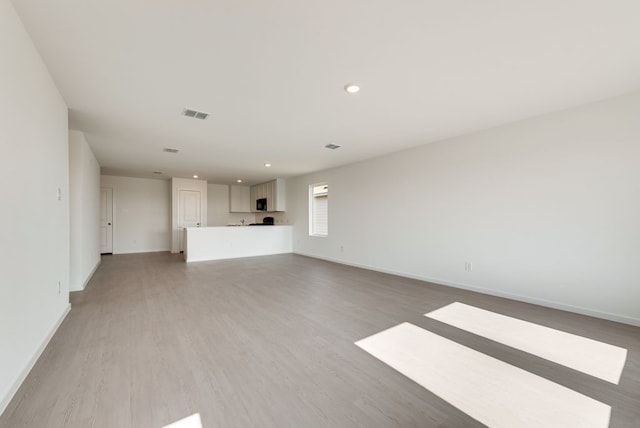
<point x="332" y="146"/>
<point x="195" y="114"/>
<point x="169" y="150"/>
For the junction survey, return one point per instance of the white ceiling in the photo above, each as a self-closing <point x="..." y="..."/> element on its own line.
<point x="271" y="74"/>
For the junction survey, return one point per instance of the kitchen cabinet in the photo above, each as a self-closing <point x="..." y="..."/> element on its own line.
<point x="261" y="191"/>
<point x="279" y="195"/>
<point x="269" y="194"/>
<point x="273" y="191"/>
<point x="240" y="199"/>
<point x="256" y="193"/>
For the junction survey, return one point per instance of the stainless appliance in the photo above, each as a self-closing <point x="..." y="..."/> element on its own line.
<point x="267" y="221"/>
<point x="261" y="204"/>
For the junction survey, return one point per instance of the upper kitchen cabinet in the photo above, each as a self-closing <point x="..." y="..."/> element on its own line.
<point x="279" y="195"/>
<point x="240" y="199"/>
<point x="256" y="193"/>
<point x="273" y="192"/>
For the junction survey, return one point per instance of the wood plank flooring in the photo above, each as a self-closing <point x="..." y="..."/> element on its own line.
<point x="269" y="342"/>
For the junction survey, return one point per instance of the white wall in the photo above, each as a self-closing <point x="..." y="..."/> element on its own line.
<point x="178" y="184"/>
<point x="35" y="235"/>
<point x="141" y="214"/>
<point x="547" y="210"/>
<point x="84" y="203"/>
<point x="217" y="204"/>
<point x="218" y="207"/>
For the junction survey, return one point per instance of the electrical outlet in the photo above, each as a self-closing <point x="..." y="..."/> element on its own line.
<point x="58" y="287"/>
<point x="59" y="194"/>
<point x="342" y="248"/>
<point x="468" y="266"/>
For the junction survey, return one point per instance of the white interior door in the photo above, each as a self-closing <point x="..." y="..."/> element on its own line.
<point x="189" y="212"/>
<point x="106" y="221"/>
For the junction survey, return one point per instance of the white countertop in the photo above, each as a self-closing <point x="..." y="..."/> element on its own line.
<point x="239" y="226"/>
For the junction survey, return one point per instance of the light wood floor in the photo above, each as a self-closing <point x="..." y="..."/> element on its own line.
<point x="268" y="342"/>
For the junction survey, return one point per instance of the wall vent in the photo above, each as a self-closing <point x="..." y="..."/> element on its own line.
<point x="170" y="150"/>
<point x="195" y="114"/>
<point x="332" y="146"/>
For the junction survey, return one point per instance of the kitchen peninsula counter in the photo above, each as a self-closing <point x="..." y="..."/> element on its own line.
<point x="216" y="243"/>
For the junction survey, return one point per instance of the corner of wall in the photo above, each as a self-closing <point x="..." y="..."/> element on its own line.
<point x="84" y="215"/>
<point x="4" y="401"/>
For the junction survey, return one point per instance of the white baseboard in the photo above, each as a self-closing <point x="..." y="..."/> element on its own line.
<point x="23" y="375"/>
<point x="95" y="268"/>
<point x="86" y="280"/>
<point x="527" y="299"/>
<point x="161" y="250"/>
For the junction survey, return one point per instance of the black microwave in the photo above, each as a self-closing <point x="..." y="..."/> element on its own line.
<point x="261" y="204"/>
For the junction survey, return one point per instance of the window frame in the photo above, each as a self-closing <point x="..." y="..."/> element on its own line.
<point x="312" y="211"/>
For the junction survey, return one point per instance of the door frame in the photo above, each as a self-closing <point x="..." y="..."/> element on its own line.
<point x="178" y="184"/>
<point x="113" y="219"/>
<point x="180" y="213"/>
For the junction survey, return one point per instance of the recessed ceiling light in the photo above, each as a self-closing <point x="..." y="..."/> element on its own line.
<point x="195" y="176"/>
<point x="332" y="146"/>
<point x="170" y="150"/>
<point x="239" y="181"/>
<point x="267" y="165"/>
<point x="157" y="172"/>
<point x="351" y="88"/>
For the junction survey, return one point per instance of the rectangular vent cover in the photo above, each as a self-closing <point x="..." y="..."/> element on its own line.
<point x="195" y="114"/>
<point x="332" y="146"/>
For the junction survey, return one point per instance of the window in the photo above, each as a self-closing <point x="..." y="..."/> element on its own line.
<point x="319" y="210"/>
